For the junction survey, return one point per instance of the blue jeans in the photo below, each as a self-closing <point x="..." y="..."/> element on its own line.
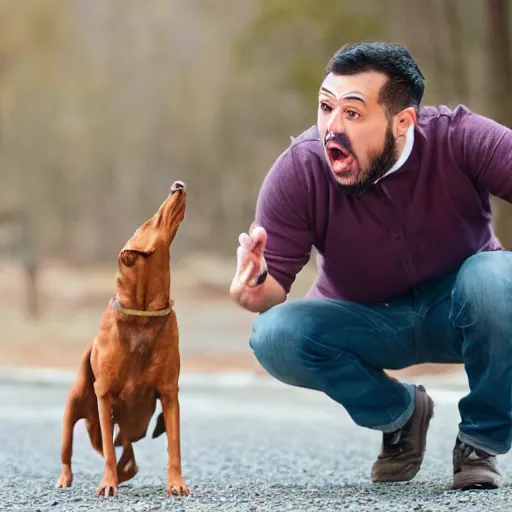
<point x="341" y="348"/>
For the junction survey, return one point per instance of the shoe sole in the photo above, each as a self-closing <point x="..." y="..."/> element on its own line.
<point x="465" y="481"/>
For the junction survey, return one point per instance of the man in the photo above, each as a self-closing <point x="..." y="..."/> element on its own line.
<point x="396" y="200"/>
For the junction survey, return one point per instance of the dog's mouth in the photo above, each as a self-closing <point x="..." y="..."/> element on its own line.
<point x="179" y="205"/>
<point x="173" y="209"/>
<point x="177" y="186"/>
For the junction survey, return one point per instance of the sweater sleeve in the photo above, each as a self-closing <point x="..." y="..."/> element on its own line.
<point x="483" y="148"/>
<point x="284" y="209"/>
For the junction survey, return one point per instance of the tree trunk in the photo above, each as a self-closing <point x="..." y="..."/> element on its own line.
<point x="500" y="99"/>
<point x="459" y="75"/>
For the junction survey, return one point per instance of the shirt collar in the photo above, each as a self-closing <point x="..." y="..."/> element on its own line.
<point x="406" y="152"/>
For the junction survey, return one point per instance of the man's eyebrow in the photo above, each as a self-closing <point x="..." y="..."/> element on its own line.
<point x="327" y="91"/>
<point x="349" y="96"/>
<point x="354" y="96"/>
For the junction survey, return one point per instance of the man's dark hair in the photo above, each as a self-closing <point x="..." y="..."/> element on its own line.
<point x="405" y="85"/>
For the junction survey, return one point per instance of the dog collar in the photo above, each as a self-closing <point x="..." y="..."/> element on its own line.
<point x="140" y="312"/>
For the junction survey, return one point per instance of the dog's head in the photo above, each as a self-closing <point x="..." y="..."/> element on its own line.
<point x="147" y="251"/>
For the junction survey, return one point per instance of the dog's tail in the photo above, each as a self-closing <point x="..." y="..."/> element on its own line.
<point x="159" y="427"/>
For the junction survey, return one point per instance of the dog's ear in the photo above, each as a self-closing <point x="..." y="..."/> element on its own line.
<point x="127" y="257"/>
<point x="143" y="241"/>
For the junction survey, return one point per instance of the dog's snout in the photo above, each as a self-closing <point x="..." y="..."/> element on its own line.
<point x="177" y="185"/>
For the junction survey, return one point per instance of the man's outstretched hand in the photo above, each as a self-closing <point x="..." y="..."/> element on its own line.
<point x="250" y="260"/>
<point x="251" y="287"/>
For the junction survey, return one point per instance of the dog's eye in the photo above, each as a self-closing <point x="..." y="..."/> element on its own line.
<point x="128" y="258"/>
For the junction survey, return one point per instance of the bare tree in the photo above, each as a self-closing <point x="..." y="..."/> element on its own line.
<point x="459" y="74"/>
<point x="500" y="99"/>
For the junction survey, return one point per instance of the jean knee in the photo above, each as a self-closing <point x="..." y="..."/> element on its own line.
<point x="274" y="332"/>
<point x="483" y="288"/>
<point x="278" y="339"/>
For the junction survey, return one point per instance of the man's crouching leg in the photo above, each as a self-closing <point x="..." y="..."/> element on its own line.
<point x="482" y="314"/>
<point x="339" y="348"/>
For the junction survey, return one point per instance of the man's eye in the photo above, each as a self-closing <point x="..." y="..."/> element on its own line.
<point x="324" y="107"/>
<point x="351" y="114"/>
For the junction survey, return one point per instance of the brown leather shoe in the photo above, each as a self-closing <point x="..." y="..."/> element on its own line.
<point x="474" y="468"/>
<point x="402" y="451"/>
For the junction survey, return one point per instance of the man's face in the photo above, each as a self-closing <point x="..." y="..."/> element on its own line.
<point x="357" y="135"/>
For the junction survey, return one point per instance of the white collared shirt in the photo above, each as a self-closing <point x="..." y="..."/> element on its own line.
<point x="406" y="152"/>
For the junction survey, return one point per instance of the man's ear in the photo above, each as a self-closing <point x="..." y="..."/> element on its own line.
<point x="403" y="120"/>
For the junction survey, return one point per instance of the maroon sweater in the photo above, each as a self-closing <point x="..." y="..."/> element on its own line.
<point x="414" y="225"/>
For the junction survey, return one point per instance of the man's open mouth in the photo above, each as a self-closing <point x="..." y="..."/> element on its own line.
<point x="341" y="159"/>
<point x="335" y="151"/>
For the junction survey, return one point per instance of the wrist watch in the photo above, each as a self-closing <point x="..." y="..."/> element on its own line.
<point x="261" y="277"/>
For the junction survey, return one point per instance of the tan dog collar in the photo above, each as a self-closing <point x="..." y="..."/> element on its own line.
<point x="139" y="312"/>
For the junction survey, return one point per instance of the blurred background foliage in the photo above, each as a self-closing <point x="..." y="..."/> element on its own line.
<point x="104" y="104"/>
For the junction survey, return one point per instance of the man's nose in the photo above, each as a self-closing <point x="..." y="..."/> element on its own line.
<point x="334" y="123"/>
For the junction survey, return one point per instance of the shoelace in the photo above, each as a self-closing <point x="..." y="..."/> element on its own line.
<point x="396" y="437"/>
<point x="471" y="453"/>
<point x="393" y="438"/>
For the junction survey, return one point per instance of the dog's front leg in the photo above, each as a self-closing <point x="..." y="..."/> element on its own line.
<point x="109" y="481"/>
<point x="68" y="422"/>
<point x="171" y="409"/>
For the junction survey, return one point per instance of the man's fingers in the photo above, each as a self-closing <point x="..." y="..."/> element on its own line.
<point x="240" y="253"/>
<point x="246" y="275"/>
<point x="255" y="240"/>
<point x="257" y="232"/>
<point x="249" y="255"/>
<point x="259" y="237"/>
<point x="245" y="241"/>
<point x="253" y="226"/>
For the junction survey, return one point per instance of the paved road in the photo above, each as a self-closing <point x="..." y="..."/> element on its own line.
<point x="245" y="448"/>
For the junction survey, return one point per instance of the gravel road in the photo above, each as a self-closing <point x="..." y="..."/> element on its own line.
<point x="245" y="448"/>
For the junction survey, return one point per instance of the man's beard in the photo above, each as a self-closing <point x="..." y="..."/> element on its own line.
<point x="379" y="163"/>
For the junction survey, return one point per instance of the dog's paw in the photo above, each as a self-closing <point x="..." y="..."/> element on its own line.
<point x="107" y="487"/>
<point x="176" y="487"/>
<point x="65" y="479"/>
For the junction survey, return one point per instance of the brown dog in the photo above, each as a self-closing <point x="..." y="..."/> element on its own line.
<point x="134" y="359"/>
